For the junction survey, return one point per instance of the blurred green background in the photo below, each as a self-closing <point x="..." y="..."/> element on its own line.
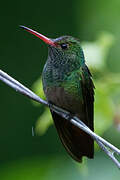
<point x="42" y="157"/>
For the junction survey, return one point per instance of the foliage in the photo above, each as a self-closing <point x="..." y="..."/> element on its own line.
<point x="22" y="56"/>
<point x="58" y="167"/>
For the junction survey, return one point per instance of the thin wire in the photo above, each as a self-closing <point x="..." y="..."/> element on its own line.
<point x="107" y="147"/>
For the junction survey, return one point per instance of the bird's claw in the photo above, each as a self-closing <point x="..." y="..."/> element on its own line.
<point x="69" y="116"/>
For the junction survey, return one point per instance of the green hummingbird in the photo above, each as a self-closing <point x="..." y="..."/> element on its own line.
<point x="67" y="83"/>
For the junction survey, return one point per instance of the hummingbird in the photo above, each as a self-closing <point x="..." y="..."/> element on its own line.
<point x="67" y="83"/>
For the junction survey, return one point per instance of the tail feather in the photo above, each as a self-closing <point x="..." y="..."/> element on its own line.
<point x="76" y="142"/>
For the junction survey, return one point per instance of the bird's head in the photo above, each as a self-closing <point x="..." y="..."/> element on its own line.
<point x="62" y="50"/>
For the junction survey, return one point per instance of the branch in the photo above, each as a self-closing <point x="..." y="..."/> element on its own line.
<point x="108" y="148"/>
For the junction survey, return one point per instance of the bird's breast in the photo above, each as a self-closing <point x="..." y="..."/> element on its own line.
<point x="62" y="89"/>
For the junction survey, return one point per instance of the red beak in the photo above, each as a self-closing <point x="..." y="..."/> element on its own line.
<point x="42" y="37"/>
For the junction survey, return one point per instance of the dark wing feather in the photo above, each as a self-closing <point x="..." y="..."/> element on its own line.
<point x="88" y="97"/>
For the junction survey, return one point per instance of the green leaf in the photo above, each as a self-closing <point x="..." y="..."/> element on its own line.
<point x="38" y="89"/>
<point x="104" y="109"/>
<point x="43" y="122"/>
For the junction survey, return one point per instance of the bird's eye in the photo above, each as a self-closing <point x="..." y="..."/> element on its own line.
<point x="64" y="46"/>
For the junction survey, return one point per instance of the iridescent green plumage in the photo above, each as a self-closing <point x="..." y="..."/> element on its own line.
<point x="67" y="83"/>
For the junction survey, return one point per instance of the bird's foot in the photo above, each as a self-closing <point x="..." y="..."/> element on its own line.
<point x="50" y="105"/>
<point x="69" y="116"/>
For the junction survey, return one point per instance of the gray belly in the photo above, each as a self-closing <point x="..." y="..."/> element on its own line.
<point x="60" y="98"/>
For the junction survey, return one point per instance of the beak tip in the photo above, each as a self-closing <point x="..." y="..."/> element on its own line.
<point x="21" y="26"/>
<point x="42" y="37"/>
